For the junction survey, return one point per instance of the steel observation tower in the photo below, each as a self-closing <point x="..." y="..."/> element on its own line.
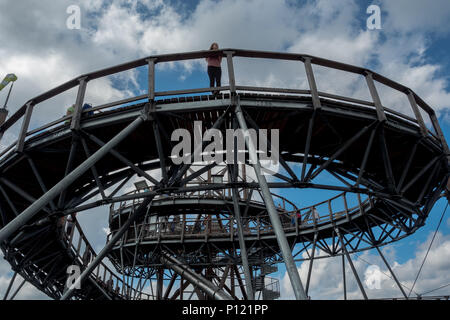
<point x="217" y="230"/>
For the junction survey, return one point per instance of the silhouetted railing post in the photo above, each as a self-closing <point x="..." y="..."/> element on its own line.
<point x="330" y="211"/>
<point x="151" y="83"/>
<point x="312" y="83"/>
<point x="346" y="206"/>
<point x="151" y="79"/>
<point x="76" y="116"/>
<point x="24" y="128"/>
<point x="419" y="118"/>
<point x="375" y="97"/>
<point x="231" y="77"/>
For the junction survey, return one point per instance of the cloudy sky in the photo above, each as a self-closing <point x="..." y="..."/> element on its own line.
<point x="412" y="47"/>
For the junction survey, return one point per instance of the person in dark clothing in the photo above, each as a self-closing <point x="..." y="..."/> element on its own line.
<point x="214" y="68"/>
<point x="88" y="106"/>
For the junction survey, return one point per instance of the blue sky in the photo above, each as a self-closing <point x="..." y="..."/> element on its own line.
<point x="412" y="48"/>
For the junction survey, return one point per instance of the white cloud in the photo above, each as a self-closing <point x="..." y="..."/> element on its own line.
<point x="417" y="15"/>
<point x="326" y="277"/>
<point x="39" y="48"/>
<point x="120" y="30"/>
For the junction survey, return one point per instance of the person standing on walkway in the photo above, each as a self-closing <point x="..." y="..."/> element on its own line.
<point x="214" y="69"/>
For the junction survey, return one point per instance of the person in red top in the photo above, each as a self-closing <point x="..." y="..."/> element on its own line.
<point x="214" y="69"/>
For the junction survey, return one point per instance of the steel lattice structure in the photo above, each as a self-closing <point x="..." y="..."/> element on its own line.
<point x="190" y="232"/>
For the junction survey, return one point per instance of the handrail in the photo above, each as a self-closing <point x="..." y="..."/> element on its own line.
<point x="415" y="101"/>
<point x="105" y="279"/>
<point x="325" y="201"/>
<point x="190" y="226"/>
<point x="200" y="195"/>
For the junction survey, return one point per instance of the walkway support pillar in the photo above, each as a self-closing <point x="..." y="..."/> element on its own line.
<point x="242" y="246"/>
<point x="291" y="268"/>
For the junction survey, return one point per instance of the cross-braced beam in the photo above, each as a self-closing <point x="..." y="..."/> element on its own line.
<point x="37" y="205"/>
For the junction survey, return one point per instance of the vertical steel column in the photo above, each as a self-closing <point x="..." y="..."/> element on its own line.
<point x="10" y="285"/>
<point x="311" y="263"/>
<point x="392" y="272"/>
<point x="151" y="86"/>
<point x="344" y="249"/>
<point x="76" y="116"/>
<point x="238" y="218"/>
<point x="230" y="66"/>
<point x="365" y="158"/>
<point x="316" y="107"/>
<point x="181" y="288"/>
<point x="312" y="84"/>
<point x="381" y="116"/>
<point x="138" y="212"/>
<point x="34" y="208"/>
<point x="375" y="97"/>
<point x="343" y="277"/>
<point x="159" y="283"/>
<point x="419" y="118"/>
<point x="243" y="248"/>
<point x="232" y="284"/>
<point x="291" y="268"/>
<point x="24" y="128"/>
<point x="151" y="79"/>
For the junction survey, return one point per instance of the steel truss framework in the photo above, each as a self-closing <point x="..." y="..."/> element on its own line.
<point x="96" y="158"/>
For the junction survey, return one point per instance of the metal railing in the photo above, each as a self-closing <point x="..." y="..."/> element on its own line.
<point x="190" y="226"/>
<point x="417" y="104"/>
<point x="281" y="202"/>
<point x="72" y="234"/>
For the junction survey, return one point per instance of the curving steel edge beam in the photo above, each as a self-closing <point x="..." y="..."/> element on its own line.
<point x="36" y="206"/>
